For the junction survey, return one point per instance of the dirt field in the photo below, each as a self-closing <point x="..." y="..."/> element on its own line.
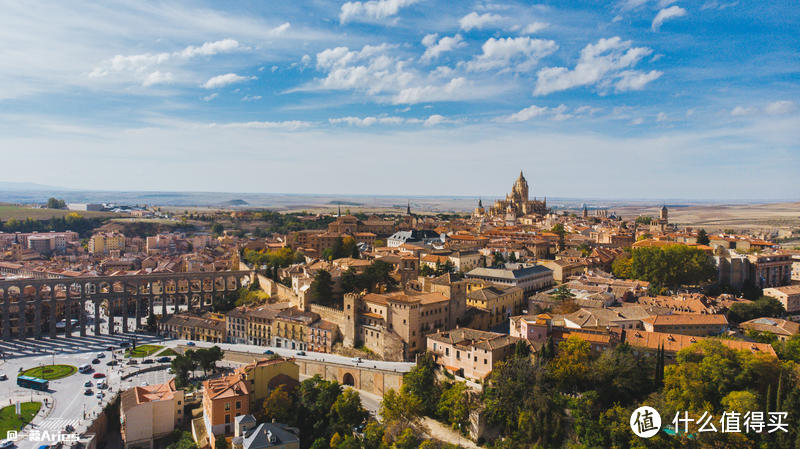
<point x="9" y="211"/>
<point x="726" y="216"/>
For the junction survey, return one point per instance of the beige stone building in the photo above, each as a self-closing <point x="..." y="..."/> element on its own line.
<point x="149" y="412"/>
<point x="470" y="353"/>
<point x="106" y="242"/>
<point x="788" y="295"/>
<point x="501" y="302"/>
<point x="696" y="324"/>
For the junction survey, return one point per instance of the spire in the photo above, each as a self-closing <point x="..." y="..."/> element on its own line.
<point x="480" y="202"/>
<point x="340" y="209"/>
<point x="408" y="208"/>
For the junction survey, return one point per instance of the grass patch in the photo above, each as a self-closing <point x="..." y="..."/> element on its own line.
<point x="9" y="211"/>
<point x="9" y="419"/>
<point x="143" y="351"/>
<point x="50" y="372"/>
<point x="168" y="352"/>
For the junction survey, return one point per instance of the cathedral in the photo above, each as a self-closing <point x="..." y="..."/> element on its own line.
<point x="516" y="203"/>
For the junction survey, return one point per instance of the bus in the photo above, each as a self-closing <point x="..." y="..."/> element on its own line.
<point x="33" y="382"/>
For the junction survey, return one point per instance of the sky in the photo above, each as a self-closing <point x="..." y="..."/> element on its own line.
<point x="619" y="99"/>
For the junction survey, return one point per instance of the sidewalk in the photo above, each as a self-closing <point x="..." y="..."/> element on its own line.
<point x="439" y="431"/>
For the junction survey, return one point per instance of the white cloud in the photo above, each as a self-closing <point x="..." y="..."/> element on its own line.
<point x="251" y="98"/>
<point x="430" y="93"/>
<point x="599" y="64"/>
<point x="521" y="53"/>
<point x="367" y="121"/>
<point x="665" y="3"/>
<point x="280" y="29"/>
<point x="478" y="21"/>
<point x="373" y="9"/>
<point x="290" y="125"/>
<point x="741" y="110"/>
<point x="157" y="78"/>
<point x="662" y="117"/>
<point x="226" y="79"/>
<point x="535" y="27"/>
<point x="667" y="14"/>
<point x="525" y="114"/>
<point x="779" y="107"/>
<point x="635" y="80"/>
<point x="210" y="48"/>
<point x="210" y="97"/>
<point x="627" y="5"/>
<point x="560" y="113"/>
<point x="445" y="44"/>
<point x="437" y="119"/>
<point x="637" y="121"/>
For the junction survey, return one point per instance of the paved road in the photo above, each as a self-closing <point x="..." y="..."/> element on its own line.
<point x="402" y="367"/>
<point x="66" y="402"/>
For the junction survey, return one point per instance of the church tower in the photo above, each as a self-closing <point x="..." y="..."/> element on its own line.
<point x="664" y="213"/>
<point x="520" y="191"/>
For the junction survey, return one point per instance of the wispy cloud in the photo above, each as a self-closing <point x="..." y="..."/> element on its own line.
<point x="225" y="80"/>
<point x="520" y="53"/>
<point x="373" y="9"/>
<point x="666" y="14"/>
<point x="435" y="48"/>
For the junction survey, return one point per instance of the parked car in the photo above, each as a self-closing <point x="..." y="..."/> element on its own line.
<point x="124" y="344"/>
<point x="163" y="359"/>
<point x="148" y="361"/>
<point x="112" y="363"/>
<point x="190" y="343"/>
<point x="4" y="444"/>
<point x="110" y="348"/>
<point x="301" y="353"/>
<point x="356" y="360"/>
<point x="100" y="395"/>
<point x="95" y="361"/>
<point x="3" y="376"/>
<point x="88" y="392"/>
<point x="98" y="375"/>
<point x="269" y="351"/>
<point x="133" y="362"/>
<point x="88" y="384"/>
<point x="101" y="355"/>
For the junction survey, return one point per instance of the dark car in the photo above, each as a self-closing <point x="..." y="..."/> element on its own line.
<point x="301" y="353"/>
<point x="189" y="343"/>
<point x="112" y="363"/>
<point x="133" y="362"/>
<point x="269" y="351"/>
<point x="88" y="392"/>
<point x="88" y="384"/>
<point x="110" y="348"/>
<point x="95" y="361"/>
<point x="148" y="361"/>
<point x="163" y="359"/>
<point x="124" y="344"/>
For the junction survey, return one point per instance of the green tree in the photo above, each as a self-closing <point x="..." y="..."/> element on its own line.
<point x="373" y="435"/>
<point x="182" y="365"/>
<point x="400" y="408"/>
<point x="571" y="366"/>
<point x="702" y="237"/>
<point x="765" y="306"/>
<point x="279" y="406"/>
<point x="217" y="228"/>
<point x="455" y="404"/>
<point x="55" y="203"/>
<point x="322" y="287"/>
<point x="221" y="443"/>
<point x="420" y="383"/>
<point x="179" y="439"/>
<point x="562" y="293"/>
<point x="406" y="440"/>
<point x="346" y="412"/>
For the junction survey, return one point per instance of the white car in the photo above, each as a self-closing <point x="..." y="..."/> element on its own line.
<point x="356" y="360"/>
<point x="6" y="444"/>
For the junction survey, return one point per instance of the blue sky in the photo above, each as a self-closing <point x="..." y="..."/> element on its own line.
<point x="628" y="99"/>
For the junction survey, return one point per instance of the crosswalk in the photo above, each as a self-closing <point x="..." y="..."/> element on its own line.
<point x="58" y="423"/>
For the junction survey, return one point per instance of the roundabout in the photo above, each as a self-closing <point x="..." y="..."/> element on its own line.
<point x="50" y="372"/>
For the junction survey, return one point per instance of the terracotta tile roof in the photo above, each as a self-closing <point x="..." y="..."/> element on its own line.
<point x="687" y="319"/>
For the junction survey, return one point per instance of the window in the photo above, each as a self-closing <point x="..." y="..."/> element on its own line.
<point x="238" y="405"/>
<point x="227" y="406"/>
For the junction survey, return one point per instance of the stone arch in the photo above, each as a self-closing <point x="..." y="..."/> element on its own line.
<point x="348" y="379"/>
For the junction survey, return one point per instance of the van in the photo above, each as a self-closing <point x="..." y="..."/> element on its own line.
<point x="85" y="368"/>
